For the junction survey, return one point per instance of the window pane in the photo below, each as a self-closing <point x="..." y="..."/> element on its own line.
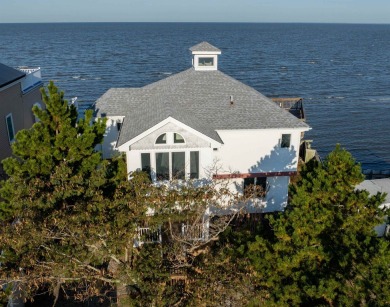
<point x="162" y="166"/>
<point x="248" y="186"/>
<point x="118" y="126"/>
<point x="162" y="139"/>
<point x="10" y="127"/>
<point x="194" y="164"/>
<point x="145" y="163"/>
<point x="178" y="165"/>
<point x="261" y="186"/>
<point x="177" y="138"/>
<point x="206" y="61"/>
<point x="255" y="187"/>
<point x="285" y="140"/>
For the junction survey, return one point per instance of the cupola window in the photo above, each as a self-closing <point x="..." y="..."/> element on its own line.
<point x="206" y="61"/>
<point x="162" y="139"/>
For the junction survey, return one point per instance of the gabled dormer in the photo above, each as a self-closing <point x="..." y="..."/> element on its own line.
<point x="205" y="56"/>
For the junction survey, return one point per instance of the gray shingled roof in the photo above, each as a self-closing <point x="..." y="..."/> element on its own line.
<point x="374" y="186"/>
<point x="199" y="99"/>
<point x="9" y="75"/>
<point x="204" y="46"/>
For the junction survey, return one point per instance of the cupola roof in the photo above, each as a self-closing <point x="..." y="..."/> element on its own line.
<point x="205" y="46"/>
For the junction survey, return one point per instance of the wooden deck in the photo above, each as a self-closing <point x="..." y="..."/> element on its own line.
<point x="292" y="104"/>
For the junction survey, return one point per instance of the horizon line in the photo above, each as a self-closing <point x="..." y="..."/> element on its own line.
<point x="200" y="22"/>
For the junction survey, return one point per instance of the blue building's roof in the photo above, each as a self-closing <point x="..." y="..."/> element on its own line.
<point x="9" y="75"/>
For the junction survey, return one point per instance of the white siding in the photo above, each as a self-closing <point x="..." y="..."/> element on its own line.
<point x="242" y="151"/>
<point x="191" y="140"/>
<point x="111" y="136"/>
<point x="254" y="151"/>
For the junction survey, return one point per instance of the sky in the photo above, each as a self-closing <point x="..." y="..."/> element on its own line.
<point x="327" y="11"/>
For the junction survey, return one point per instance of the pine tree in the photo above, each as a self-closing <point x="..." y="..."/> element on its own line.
<point x="66" y="215"/>
<point x="324" y="250"/>
<point x="68" y="219"/>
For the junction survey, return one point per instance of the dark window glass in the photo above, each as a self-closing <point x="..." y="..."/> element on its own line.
<point x="162" y="166"/>
<point x="162" y="139"/>
<point x="145" y="163"/>
<point x="10" y="127"/>
<point x="194" y="165"/>
<point x="255" y="187"/>
<point x="119" y="126"/>
<point x="177" y="138"/>
<point x="206" y="61"/>
<point x="285" y="140"/>
<point x="178" y="165"/>
<point x="261" y="186"/>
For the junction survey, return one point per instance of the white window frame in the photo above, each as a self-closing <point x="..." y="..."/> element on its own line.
<point x="13" y="128"/>
<point x="211" y="67"/>
<point x="281" y="140"/>
<point x="178" y="143"/>
<point x="264" y="188"/>
<point x="161" y="144"/>
<point x="170" y="139"/>
<point x="187" y="158"/>
<point x="170" y="164"/>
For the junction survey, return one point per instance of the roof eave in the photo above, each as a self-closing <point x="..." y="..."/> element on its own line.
<point x="206" y="52"/>
<point x="12" y="81"/>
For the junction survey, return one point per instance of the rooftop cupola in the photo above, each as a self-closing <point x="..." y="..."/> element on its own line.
<point x="205" y="56"/>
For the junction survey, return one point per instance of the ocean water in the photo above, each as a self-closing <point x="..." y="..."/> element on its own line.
<point x="342" y="71"/>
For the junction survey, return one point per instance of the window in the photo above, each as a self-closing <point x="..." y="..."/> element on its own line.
<point x="177" y="138"/>
<point x="286" y="139"/>
<point x="206" y="61"/>
<point x="10" y="128"/>
<point x="194" y="165"/>
<point x="162" y="166"/>
<point x="255" y="187"/>
<point x="178" y="165"/>
<point x="173" y="165"/>
<point x="145" y="164"/>
<point x="162" y="139"/>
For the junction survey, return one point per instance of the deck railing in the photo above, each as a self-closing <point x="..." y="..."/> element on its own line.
<point x="147" y="235"/>
<point x="294" y="105"/>
<point x="28" y="70"/>
<point x="193" y="232"/>
<point x="33" y="78"/>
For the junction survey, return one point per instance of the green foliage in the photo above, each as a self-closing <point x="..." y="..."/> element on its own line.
<point x="324" y="250"/>
<point x="152" y="279"/>
<point x="66" y="215"/>
<point x="69" y="218"/>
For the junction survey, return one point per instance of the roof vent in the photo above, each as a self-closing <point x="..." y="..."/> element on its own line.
<point x="231" y="99"/>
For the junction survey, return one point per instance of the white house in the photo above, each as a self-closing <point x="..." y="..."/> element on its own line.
<point x="373" y="187"/>
<point x="183" y="126"/>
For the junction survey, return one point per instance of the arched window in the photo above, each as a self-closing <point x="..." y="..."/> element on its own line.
<point x="162" y="139"/>
<point x="177" y="138"/>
